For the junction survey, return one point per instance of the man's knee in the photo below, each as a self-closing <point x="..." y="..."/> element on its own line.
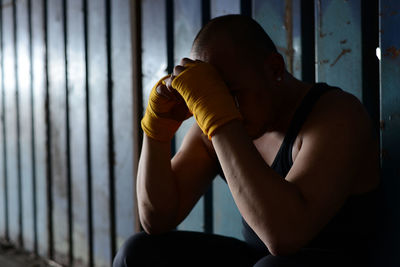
<point x="133" y="251"/>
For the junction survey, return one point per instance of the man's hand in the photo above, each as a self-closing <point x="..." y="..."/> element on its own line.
<point x="205" y="94"/>
<point x="165" y="112"/>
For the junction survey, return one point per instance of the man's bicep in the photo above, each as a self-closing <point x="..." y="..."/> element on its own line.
<point x="325" y="167"/>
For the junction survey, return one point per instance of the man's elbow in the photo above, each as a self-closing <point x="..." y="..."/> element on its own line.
<point x="284" y="245"/>
<point x="154" y="224"/>
<point x="283" y="249"/>
<point x="152" y="229"/>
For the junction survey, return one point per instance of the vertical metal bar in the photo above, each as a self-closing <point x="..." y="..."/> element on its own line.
<point x="170" y="35"/>
<point x="2" y="179"/>
<point x="17" y="120"/>
<point x="123" y="107"/>
<point x="208" y="197"/>
<point x="78" y="124"/>
<point x="58" y="130"/>
<point x="67" y="143"/>
<point x="4" y="131"/>
<point x="88" y="140"/>
<point x="49" y="169"/>
<point x="307" y="41"/>
<point x="39" y="124"/>
<point x="33" y="144"/>
<point x="25" y="122"/>
<point x="205" y="11"/>
<point x="77" y="107"/>
<point x="370" y="62"/>
<point x="246" y="7"/>
<point x="136" y="26"/>
<point x="169" y="23"/>
<point x="110" y="119"/>
<point x="10" y="120"/>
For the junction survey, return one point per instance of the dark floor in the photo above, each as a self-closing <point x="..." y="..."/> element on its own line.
<point x="12" y="257"/>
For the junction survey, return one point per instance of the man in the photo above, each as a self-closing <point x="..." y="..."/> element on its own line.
<point x="300" y="159"/>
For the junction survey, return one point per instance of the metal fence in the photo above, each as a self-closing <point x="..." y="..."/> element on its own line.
<point x="75" y="76"/>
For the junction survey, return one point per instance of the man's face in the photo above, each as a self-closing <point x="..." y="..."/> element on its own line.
<point x="247" y="82"/>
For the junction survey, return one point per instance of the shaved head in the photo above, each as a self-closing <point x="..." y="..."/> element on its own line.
<point x="242" y="32"/>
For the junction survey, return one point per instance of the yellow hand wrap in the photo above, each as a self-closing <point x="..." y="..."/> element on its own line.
<point x="206" y="96"/>
<point x="155" y="125"/>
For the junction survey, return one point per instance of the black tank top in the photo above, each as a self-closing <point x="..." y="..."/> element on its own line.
<point x="354" y="224"/>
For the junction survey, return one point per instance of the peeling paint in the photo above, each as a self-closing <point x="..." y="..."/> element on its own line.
<point x="393" y="13"/>
<point x="382" y="125"/>
<point x="321" y="34"/>
<point x="393" y="52"/>
<point x="394" y="116"/>
<point x="324" y="61"/>
<point x="344" y="51"/>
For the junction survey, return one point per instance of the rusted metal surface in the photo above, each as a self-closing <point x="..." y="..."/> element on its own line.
<point x="281" y="21"/>
<point x="3" y="157"/>
<point x="58" y="129"/>
<point x="25" y="120"/>
<point x="390" y="110"/>
<point x="123" y="119"/>
<point x="338" y="44"/>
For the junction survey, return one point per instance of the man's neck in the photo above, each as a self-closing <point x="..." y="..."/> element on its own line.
<point x="292" y="93"/>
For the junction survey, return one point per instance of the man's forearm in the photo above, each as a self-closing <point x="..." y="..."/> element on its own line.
<point x="156" y="187"/>
<point x="267" y="202"/>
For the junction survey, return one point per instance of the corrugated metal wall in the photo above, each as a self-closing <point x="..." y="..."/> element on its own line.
<point x="75" y="78"/>
<point x="67" y="186"/>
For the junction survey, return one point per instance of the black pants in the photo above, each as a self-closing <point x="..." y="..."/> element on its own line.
<point x="181" y="248"/>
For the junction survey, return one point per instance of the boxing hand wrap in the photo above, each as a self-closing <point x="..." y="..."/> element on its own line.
<point x="155" y="125"/>
<point x="206" y="96"/>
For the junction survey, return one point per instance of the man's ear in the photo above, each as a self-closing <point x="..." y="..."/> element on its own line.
<point x="274" y="65"/>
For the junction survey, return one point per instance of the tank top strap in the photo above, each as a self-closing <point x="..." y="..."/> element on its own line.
<point x="284" y="160"/>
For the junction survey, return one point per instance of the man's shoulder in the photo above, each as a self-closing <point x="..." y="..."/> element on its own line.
<point x="340" y="110"/>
